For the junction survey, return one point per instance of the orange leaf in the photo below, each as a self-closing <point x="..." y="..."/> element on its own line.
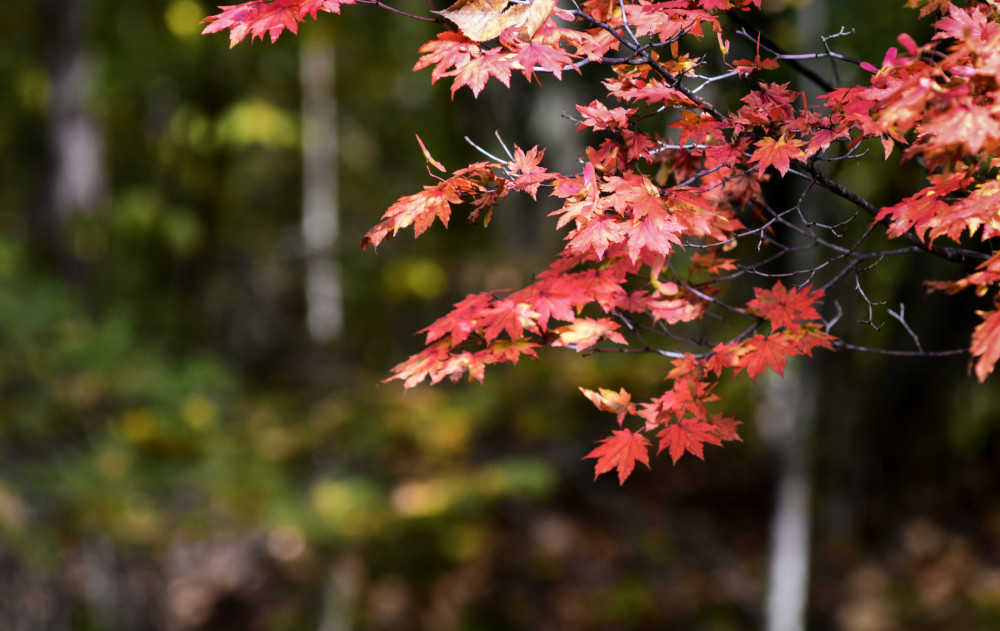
<point x="619" y="403"/>
<point x="620" y="451"/>
<point x="689" y="435"/>
<point x="986" y="343"/>
<point x="777" y="153"/>
<point x="763" y="353"/>
<point x="785" y="308"/>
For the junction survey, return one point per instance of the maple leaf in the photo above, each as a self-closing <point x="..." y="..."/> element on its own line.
<point x="620" y="451"/>
<point x="421" y="366"/>
<point x="966" y="123"/>
<point x="777" y="153"/>
<point x="674" y="310"/>
<point x="461" y="320"/>
<point x="726" y="428"/>
<point x="556" y="295"/>
<point x="596" y="235"/>
<point x="597" y="116"/>
<point x="653" y="233"/>
<point x="986" y="343"/>
<point x="507" y="316"/>
<point x="447" y="51"/>
<point x="711" y="263"/>
<point x="688" y="435"/>
<point x="552" y="58"/>
<point x="619" y="403"/>
<point x="785" y="308"/>
<point x="482" y="20"/>
<point x="418" y="210"/>
<point x="585" y="332"/>
<point x="529" y="175"/>
<point x="762" y="352"/>
<point x="255" y="18"/>
<point x="259" y="17"/>
<point x="491" y="63"/>
<point x="510" y="351"/>
<point x="930" y="6"/>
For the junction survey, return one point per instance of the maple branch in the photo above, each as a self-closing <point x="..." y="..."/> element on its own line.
<point x="772" y="47"/>
<point x="956" y="255"/>
<point x="896" y="353"/>
<point x="484" y="151"/>
<point x="382" y="5"/>
<point x="642" y="57"/>
<point x="901" y="317"/>
<point x="871" y="305"/>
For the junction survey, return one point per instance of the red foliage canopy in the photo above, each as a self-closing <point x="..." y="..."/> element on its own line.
<point x="648" y="219"/>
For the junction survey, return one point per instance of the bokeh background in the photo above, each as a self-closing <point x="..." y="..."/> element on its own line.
<point x="192" y="431"/>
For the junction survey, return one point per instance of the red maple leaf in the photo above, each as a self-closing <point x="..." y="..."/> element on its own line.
<point x="777" y="153"/>
<point x="688" y="435"/>
<point x="461" y="320"/>
<point x="555" y="296"/>
<point x="507" y="316"/>
<point x="596" y="235"/>
<point x="529" y="175"/>
<point x="491" y="63"/>
<point x="620" y="451"/>
<point x="255" y="18"/>
<point x="785" y="308"/>
<point x="259" y="17"/>
<point x="510" y="351"/>
<point x="418" y="210"/>
<point x="547" y="57"/>
<point x="763" y="352"/>
<point x="986" y="343"/>
<point x="597" y="116"/>
<point x="725" y="427"/>
<point x="966" y="123"/>
<point x="449" y="50"/>
<point x="653" y="233"/>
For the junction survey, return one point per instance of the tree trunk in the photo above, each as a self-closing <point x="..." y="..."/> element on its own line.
<point x="76" y="181"/>
<point x="786" y="418"/>
<point x="320" y="218"/>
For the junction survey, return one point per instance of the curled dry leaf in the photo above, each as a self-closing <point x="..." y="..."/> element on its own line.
<point x="482" y="20"/>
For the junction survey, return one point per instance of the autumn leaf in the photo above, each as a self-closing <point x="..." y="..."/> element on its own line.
<point x="986" y="343"/>
<point x="785" y="308"/>
<point x="259" y="17"/>
<point x="620" y="451"/>
<point x="597" y="235"/>
<point x="427" y="154"/>
<point x="551" y="57"/>
<point x="507" y="316"/>
<point x="447" y="51"/>
<point x="966" y="123"/>
<point x="585" y="332"/>
<point x="777" y="153"/>
<point x="529" y="176"/>
<point x="418" y="210"/>
<point x="688" y="435"/>
<point x="763" y="352"/>
<point x="482" y="20"/>
<point x="461" y="320"/>
<point x="606" y="400"/>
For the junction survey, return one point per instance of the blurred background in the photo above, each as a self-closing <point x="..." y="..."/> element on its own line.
<point x="192" y="431"/>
